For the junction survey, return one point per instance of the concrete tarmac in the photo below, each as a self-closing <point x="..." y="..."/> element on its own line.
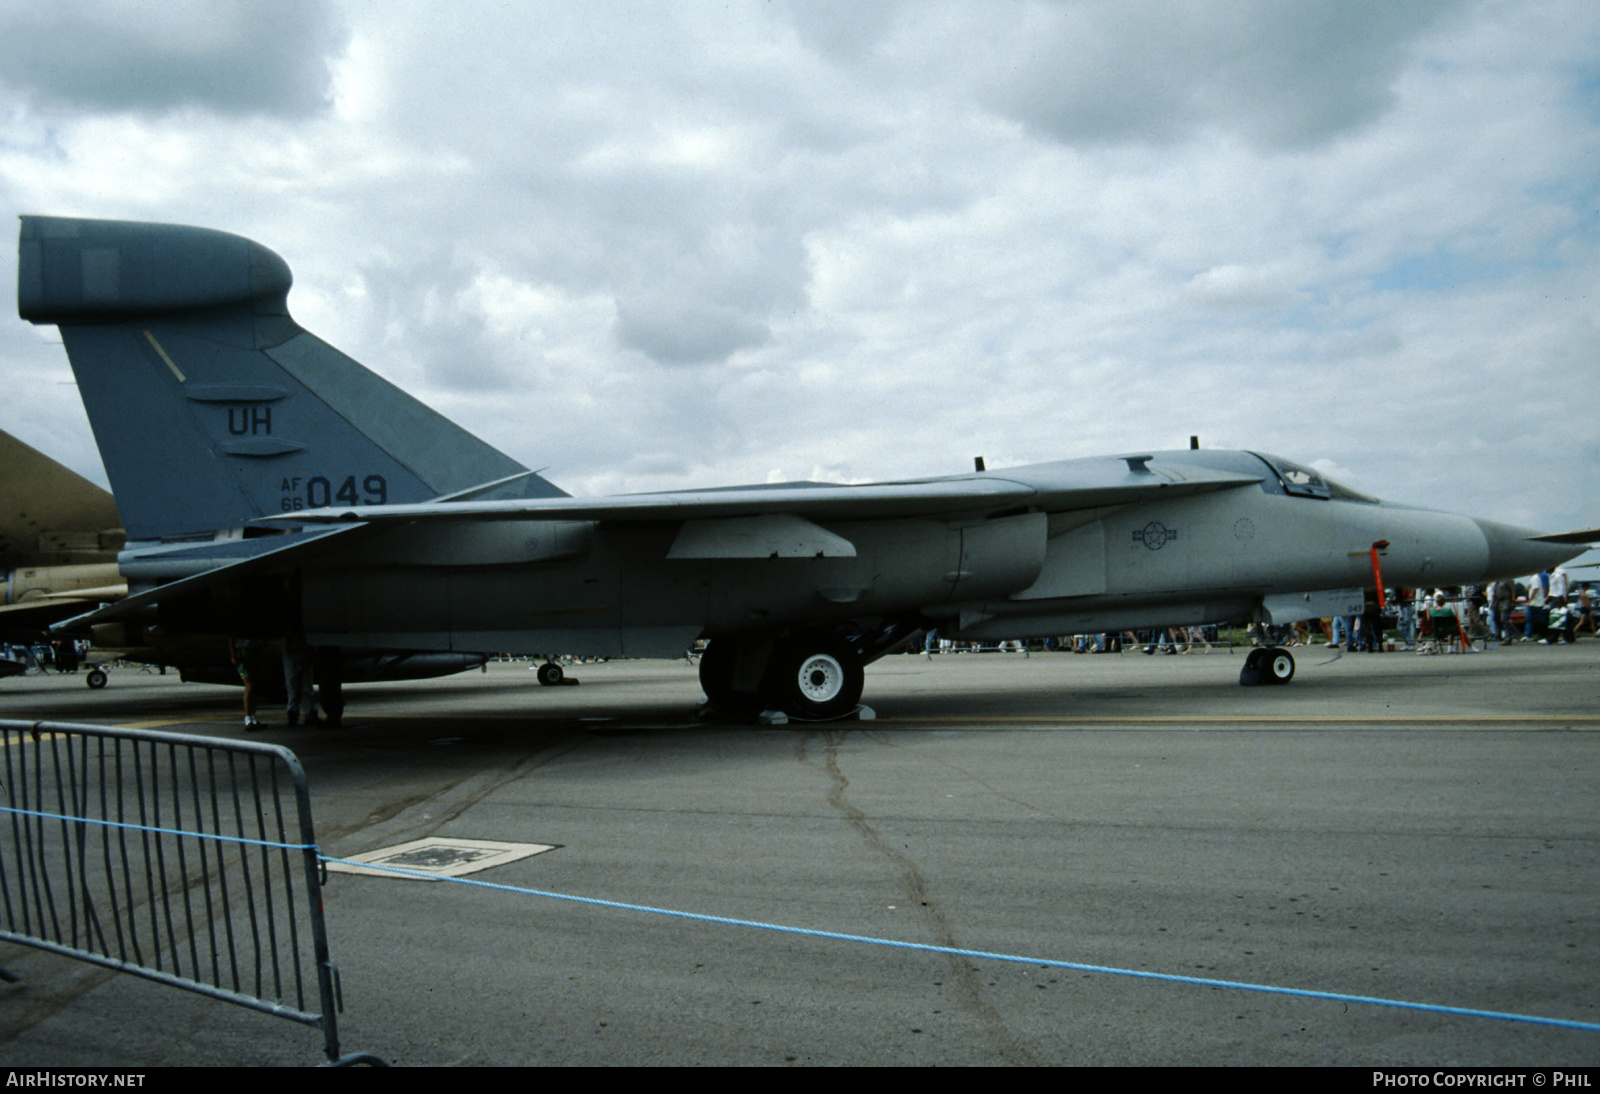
<point x="1412" y="828"/>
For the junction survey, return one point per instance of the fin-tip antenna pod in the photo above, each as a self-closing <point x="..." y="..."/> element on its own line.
<point x="75" y="271"/>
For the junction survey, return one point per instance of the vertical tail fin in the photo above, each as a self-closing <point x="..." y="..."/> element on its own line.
<point x="210" y="405"/>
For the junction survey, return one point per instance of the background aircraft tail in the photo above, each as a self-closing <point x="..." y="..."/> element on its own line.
<point x="50" y="516"/>
<point x="210" y="405"/>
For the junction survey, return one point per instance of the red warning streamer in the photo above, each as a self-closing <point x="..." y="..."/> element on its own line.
<point x="1377" y="571"/>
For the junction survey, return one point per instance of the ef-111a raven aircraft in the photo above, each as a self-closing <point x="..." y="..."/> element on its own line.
<point x="271" y="486"/>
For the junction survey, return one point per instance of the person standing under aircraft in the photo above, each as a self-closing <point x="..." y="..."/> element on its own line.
<point x="1557" y="602"/>
<point x="1559" y="585"/>
<point x="1406" y="616"/>
<point x="1538" y="613"/>
<point x="1502" y="598"/>
<point x="329" y="672"/>
<point x="242" y="653"/>
<point x="1477" y="600"/>
<point x="297" y="680"/>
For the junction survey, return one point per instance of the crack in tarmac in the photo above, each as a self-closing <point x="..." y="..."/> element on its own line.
<point x="968" y="986"/>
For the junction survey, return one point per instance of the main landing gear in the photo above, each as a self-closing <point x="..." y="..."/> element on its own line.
<point x="813" y="675"/>
<point x="1267" y="665"/>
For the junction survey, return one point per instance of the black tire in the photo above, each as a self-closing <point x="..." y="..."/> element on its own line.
<point x="815" y="675"/>
<point x="1255" y="669"/>
<point x="550" y="674"/>
<point x="1278" y="666"/>
<point x="717" y="662"/>
<point x="96" y="679"/>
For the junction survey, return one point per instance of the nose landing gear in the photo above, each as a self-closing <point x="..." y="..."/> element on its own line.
<point x="1267" y="665"/>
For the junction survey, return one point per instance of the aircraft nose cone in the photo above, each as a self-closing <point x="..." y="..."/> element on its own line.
<point x="1514" y="553"/>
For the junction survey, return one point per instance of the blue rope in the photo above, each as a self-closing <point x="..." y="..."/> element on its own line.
<point x="164" y="831"/>
<point x="868" y="940"/>
<point x="1043" y="962"/>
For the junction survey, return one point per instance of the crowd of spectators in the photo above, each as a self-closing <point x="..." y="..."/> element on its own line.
<point x="1545" y="607"/>
<point x="61" y="654"/>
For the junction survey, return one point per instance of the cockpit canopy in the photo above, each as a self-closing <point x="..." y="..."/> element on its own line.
<point x="1305" y="482"/>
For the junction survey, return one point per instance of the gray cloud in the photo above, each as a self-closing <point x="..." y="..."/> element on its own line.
<point x="843" y="29"/>
<point x="1152" y="70"/>
<point x="685" y="331"/>
<point x="232" y="56"/>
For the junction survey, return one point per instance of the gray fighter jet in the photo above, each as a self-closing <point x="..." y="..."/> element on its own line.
<point x="272" y="486"/>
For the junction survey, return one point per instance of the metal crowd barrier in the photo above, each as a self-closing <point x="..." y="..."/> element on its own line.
<point x="190" y="861"/>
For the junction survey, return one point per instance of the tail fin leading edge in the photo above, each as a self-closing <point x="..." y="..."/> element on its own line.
<point x="210" y="405"/>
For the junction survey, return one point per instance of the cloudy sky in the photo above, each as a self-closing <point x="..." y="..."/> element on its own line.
<point x="687" y="244"/>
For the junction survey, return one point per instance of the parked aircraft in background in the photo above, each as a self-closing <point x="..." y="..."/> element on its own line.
<point x="272" y="486"/>
<point x="59" y="537"/>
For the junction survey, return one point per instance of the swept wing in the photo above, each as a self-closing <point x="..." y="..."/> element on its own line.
<point x="1051" y="488"/>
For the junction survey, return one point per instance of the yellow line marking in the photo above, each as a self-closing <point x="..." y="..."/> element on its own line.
<point x="157" y="723"/>
<point x="622" y="721"/>
<point x="1235" y="719"/>
<point x="157" y="347"/>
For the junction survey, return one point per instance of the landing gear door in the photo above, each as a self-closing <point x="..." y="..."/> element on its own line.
<point x="1326" y="604"/>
